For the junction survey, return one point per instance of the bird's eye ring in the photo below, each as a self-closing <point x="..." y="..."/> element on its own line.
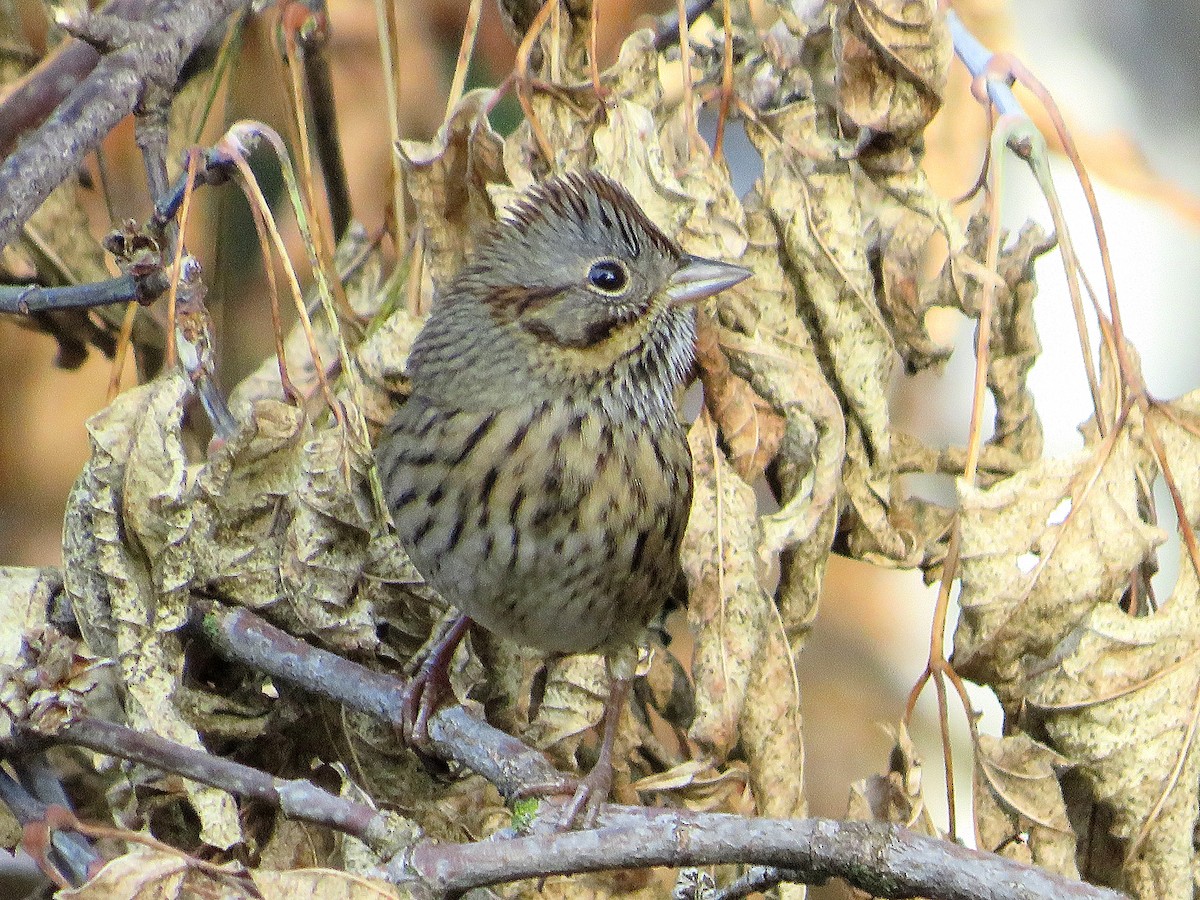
<point x="608" y="275"/>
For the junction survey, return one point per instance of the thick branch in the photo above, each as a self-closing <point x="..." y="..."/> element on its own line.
<point x="454" y="734"/>
<point x="48" y="155"/>
<point x="884" y="860"/>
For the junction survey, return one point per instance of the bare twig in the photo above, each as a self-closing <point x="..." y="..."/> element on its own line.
<point x="297" y="798"/>
<point x="27" y="299"/>
<point x="64" y="855"/>
<point x="56" y="149"/>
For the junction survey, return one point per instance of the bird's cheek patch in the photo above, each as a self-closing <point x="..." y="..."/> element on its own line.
<point x="577" y="321"/>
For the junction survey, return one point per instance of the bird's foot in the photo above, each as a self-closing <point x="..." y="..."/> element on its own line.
<point x="430" y="686"/>
<point x="590" y="796"/>
<point x="591" y="792"/>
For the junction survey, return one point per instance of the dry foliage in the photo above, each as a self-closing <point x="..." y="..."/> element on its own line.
<point x="1100" y="688"/>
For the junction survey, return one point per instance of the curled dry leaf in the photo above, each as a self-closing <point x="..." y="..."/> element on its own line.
<point x="572" y="702"/>
<point x="1118" y="698"/>
<point x="146" y="873"/>
<point x="1040" y="550"/>
<point x="127" y="537"/>
<point x="742" y="665"/>
<point x="776" y="356"/>
<point x="728" y="606"/>
<point x="896" y="795"/>
<point x="326" y="540"/>
<point x="908" y="217"/>
<point x="45" y="687"/>
<point x="447" y="179"/>
<point x="812" y="196"/>
<point x="1014" y="339"/>
<point x="751" y="430"/>
<point x="1019" y="807"/>
<point x="246" y="484"/>
<point x="893" y="59"/>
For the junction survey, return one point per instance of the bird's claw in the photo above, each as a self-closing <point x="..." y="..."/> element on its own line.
<point x="429" y="687"/>
<point x="422" y="697"/>
<point x="590" y="795"/>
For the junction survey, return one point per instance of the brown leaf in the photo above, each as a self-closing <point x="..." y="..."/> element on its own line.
<point x="1118" y="695"/>
<point x="247" y="482"/>
<point x="1040" y="551"/>
<point x="128" y="537"/>
<point x="728" y="609"/>
<point x="751" y="429"/>
<point x="897" y="795"/>
<point x="893" y="58"/>
<point x="325" y="545"/>
<point x="1019" y="807"/>
<point x="448" y="177"/>
<point x="154" y="875"/>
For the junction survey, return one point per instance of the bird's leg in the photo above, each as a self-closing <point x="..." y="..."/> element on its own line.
<point x="594" y="788"/>
<point x="430" y="685"/>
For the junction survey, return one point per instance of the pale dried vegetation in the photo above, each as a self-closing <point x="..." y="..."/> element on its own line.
<point x="1097" y="769"/>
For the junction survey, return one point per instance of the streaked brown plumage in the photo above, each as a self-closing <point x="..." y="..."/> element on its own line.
<point x="537" y="474"/>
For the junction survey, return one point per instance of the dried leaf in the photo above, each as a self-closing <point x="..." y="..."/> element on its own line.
<point x="1019" y="807"/>
<point x="752" y="431"/>
<point x="1040" y="550"/>
<point x="572" y="703"/>
<point x="728" y="610"/>
<point x="909" y="216"/>
<point x="897" y="795"/>
<point x="154" y="875"/>
<point x="893" y="58"/>
<point x="776" y="356"/>
<point x="247" y="482"/>
<point x="812" y="196"/>
<point x="1014" y="339"/>
<point x="448" y="179"/>
<point x="141" y="567"/>
<point x="771" y="727"/>
<point x="27" y="596"/>
<point x="326" y="539"/>
<point x="1115" y="669"/>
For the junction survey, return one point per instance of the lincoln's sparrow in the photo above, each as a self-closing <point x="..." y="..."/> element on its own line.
<point x="537" y="474"/>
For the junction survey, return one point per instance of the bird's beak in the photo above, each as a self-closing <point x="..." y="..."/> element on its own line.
<point x="699" y="278"/>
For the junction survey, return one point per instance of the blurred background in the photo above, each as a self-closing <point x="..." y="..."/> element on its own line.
<point x="1127" y="77"/>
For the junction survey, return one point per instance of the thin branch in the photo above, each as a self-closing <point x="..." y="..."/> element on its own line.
<point x="40" y="90"/>
<point x="55" y="150"/>
<point x="297" y="798"/>
<point x="29" y="796"/>
<point x="28" y="299"/>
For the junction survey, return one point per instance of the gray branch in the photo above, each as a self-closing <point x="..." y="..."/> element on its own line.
<point x="156" y="53"/>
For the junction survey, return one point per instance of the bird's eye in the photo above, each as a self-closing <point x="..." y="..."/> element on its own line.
<point x="608" y="275"/>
